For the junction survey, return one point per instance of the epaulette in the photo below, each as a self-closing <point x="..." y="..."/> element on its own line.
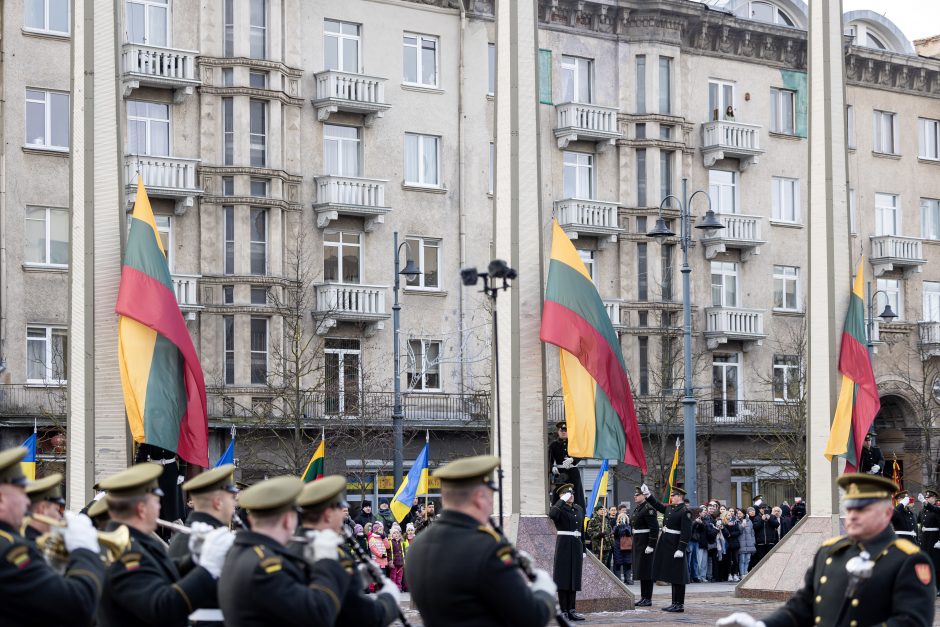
<point x="271" y="565"/>
<point x="490" y="532"/>
<point x="832" y="541"/>
<point x="19" y="557"/>
<point x="837" y="544"/>
<point x="7" y="537"/>
<point x="131" y="561"/>
<point x="906" y="546"/>
<point x="505" y="554"/>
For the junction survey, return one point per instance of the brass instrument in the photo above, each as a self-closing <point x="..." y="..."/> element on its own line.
<point x="53" y="548"/>
<point x="172" y="526"/>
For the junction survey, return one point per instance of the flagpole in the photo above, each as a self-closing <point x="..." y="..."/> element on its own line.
<point x="427" y="442"/>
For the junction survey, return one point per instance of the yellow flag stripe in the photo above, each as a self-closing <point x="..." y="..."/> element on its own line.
<point x="565" y="252"/>
<point x="842" y="420"/>
<point x="135" y="354"/>
<point x="579" y="389"/>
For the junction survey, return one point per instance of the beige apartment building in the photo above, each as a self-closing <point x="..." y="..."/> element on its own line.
<point x="284" y="143"/>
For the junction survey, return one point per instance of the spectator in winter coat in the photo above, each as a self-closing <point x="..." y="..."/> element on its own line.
<point x="396" y="552"/>
<point x="611" y="523"/>
<point x="786" y="522"/>
<point x="623" y="557"/>
<point x="361" y="537"/>
<point x="378" y="547"/>
<point x="385" y="514"/>
<point x="748" y="547"/>
<point x="365" y="517"/>
<point x="766" y="533"/>
<point x="732" y="533"/>
<point x="797" y="511"/>
<point x="707" y="558"/>
<point x="699" y="544"/>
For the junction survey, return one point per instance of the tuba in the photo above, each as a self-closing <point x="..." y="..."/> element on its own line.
<point x="113" y="543"/>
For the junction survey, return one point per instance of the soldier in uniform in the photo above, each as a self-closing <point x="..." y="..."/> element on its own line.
<point x="45" y="498"/>
<point x="263" y="583"/>
<point x="31" y="592"/>
<point x="645" y="534"/>
<point x="144" y="586"/>
<point x="872" y="460"/>
<point x="669" y="559"/>
<point x="869" y="576"/>
<point x="903" y="519"/>
<point x="569" y="549"/>
<point x="462" y="571"/>
<point x="930" y="531"/>
<point x="564" y="468"/>
<point x="321" y="507"/>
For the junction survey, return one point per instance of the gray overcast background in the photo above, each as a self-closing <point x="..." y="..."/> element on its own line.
<point x="916" y="18"/>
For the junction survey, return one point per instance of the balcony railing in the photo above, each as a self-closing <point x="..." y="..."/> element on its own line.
<point x="32" y="401"/>
<point x="578" y="216"/>
<point x="586" y="122"/>
<point x="345" y="302"/>
<point x="727" y="323"/>
<point x="153" y="66"/>
<point x="613" y="312"/>
<point x="165" y="177"/>
<point x="350" y="196"/>
<point x="895" y="251"/>
<point x="741" y="232"/>
<point x="724" y="139"/>
<point x="929" y="339"/>
<point x="349" y="92"/>
<point x="186" y="287"/>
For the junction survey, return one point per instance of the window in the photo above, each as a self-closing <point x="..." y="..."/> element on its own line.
<point x="786" y="287"/>
<point x="422" y="161"/>
<point x="665" y="131"/>
<point x="148" y="128"/>
<point x="931" y="301"/>
<point x="228" y="348"/>
<point x="641" y="177"/>
<point x="228" y="252"/>
<point x="258" y="80"/>
<point x="640" y="83"/>
<point x="786" y="378"/>
<point x="720" y="97"/>
<point x="342" y="257"/>
<point x="228" y="132"/>
<point x="341" y="46"/>
<point x="641" y="130"/>
<point x="46" y="354"/>
<point x="259" y="296"/>
<point x="576" y="79"/>
<point x="850" y="126"/>
<point x="341" y="150"/>
<point x="545" y="76"/>
<point x="578" y="175"/>
<point x="641" y="225"/>
<point x="587" y="258"/>
<point x="47" y="118"/>
<point x="228" y="28"/>
<point x="259" y="187"/>
<point x="723" y="190"/>
<point x="258" y="130"/>
<point x="724" y="284"/>
<point x="666" y="252"/>
<point x="665" y="85"/>
<point x="491" y="173"/>
<point x="228" y="77"/>
<point x="726" y="371"/>
<point x="420" y="59"/>
<point x="642" y="278"/>
<point x="426" y="255"/>
<point x="342" y="376"/>
<point x="228" y="294"/>
<point x="642" y="319"/>
<point x="875" y="42"/>
<point x="885" y="132"/>
<point x="424" y="371"/>
<point x="783" y="111"/>
<point x="890" y="294"/>
<point x="665" y="173"/>
<point x="259" y="351"/>
<point x="51" y="16"/>
<point x="928" y="132"/>
<point x="259" y="240"/>
<point x="930" y="218"/>
<point x="258" y="29"/>
<point x="148" y="22"/>
<point x="853" y="213"/>
<point x="491" y="69"/>
<point x="228" y="185"/>
<point x="46" y="237"/>
<point x="768" y="12"/>
<point x="785" y="199"/>
<point x="887" y="216"/>
<point x="644" y="363"/>
<point x="165" y="231"/>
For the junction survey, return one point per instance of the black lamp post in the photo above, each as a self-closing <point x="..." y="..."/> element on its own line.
<point x="398" y="416"/>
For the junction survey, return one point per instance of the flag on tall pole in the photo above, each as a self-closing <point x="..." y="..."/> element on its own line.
<point x="671" y="482"/>
<point x="164" y="388"/>
<point x="896" y="474"/>
<point x="415" y="483"/>
<point x="228" y="457"/>
<point x="599" y="491"/>
<point x="858" y="399"/>
<point x="28" y="463"/>
<point x="314" y="469"/>
<point x="599" y="407"/>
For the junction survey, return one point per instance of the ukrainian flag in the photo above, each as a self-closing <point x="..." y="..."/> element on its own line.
<point x="414" y="484"/>
<point x="600" y="487"/>
<point x="228" y="457"/>
<point x="29" y="462"/>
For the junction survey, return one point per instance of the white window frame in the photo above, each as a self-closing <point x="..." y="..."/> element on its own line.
<point x="266" y="352"/>
<point x="150" y="124"/>
<point x="417" y="373"/>
<point x="885" y="132"/>
<point x="723" y="271"/>
<point x="581" y="69"/>
<point x="340" y="245"/>
<point x="342" y="145"/>
<point x="778" y="122"/>
<point x="782" y="188"/>
<point x="930" y="218"/>
<point x="718" y="190"/>
<point x="783" y="277"/>
<point x="338" y="39"/>
<point x="589" y="260"/>
<point x="721" y="87"/>
<point x="228" y="28"/>
<point x="733" y="361"/>
<point x="928" y="139"/>
<point x="46" y="11"/>
<point x="419" y="64"/>
<point x="887" y="214"/>
<point x="148" y="23"/>
<point x="893" y="290"/>
<point x="262" y="29"/>
<point x="579" y="163"/>
<point x="264" y="242"/>
<point x="420" y="145"/>
<point x="47" y="104"/>
<point x="788" y="369"/>
<point x="665" y="86"/>
<point x="491" y="173"/>
<point x="48" y="213"/>
<point x="341" y="395"/>
<point x="780" y="16"/>
<point x="49" y="356"/>
<point x="931" y="297"/>
<point x="165" y="231"/>
<point x="419" y="249"/>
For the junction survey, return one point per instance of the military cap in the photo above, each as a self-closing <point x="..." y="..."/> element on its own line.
<point x="469" y="470"/>
<point x="758" y="498"/>
<point x="637" y="491"/>
<point x="561" y="425"/>
<point x="863" y="489"/>
<point x="900" y="495"/>
<point x="97" y="508"/>
<point x="46" y="489"/>
<point x="677" y="490"/>
<point x="272" y="494"/>
<point x="931" y="491"/>
<point x="221" y="478"/>
<point x="10" y="470"/>
<point x="598" y="506"/>
<point x="325" y="491"/>
<point x="565" y="487"/>
<point x="138" y="480"/>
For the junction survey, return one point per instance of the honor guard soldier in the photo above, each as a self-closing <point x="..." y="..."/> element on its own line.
<point x="461" y="571"/>
<point x="143" y="586"/>
<point x="45" y="499"/>
<point x="930" y="529"/>
<point x="31" y="592"/>
<point x="569" y="549"/>
<point x="903" y="519"/>
<point x="669" y="559"/>
<point x="563" y="467"/>
<point x="321" y="507"/>
<point x="867" y="577"/>
<point x="645" y="534"/>
<point x="263" y="583"/>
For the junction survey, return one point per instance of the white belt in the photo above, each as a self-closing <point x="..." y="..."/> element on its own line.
<point x="668" y="530"/>
<point x="636" y="531"/>
<point x="906" y="533"/>
<point x="207" y="615"/>
<point x="576" y="534"/>
<point x="162" y="462"/>
<point x="931" y="529"/>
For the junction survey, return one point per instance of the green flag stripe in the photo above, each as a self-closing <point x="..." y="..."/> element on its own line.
<point x="143" y="254"/>
<point x="610" y="442"/>
<point x="166" y="396"/>
<point x="855" y="320"/>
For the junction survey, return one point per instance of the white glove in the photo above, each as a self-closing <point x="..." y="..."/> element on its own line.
<point x="905" y="501"/>
<point x="920" y="497"/>
<point x="554" y="470"/>
<point x="875" y="469"/>
<point x="567" y="497"/>
<point x="197" y="537"/>
<point x="543" y="582"/>
<point x="568" y="463"/>
<point x="644" y="490"/>
<point x="389" y="587"/>
<point x="648" y="550"/>
<point x="325" y="545"/>
<point x="678" y="554"/>
<point x="739" y="619"/>
<point x="215" y="547"/>
<point x="524" y="558"/>
<point x="936" y="544"/>
<point x="79" y="533"/>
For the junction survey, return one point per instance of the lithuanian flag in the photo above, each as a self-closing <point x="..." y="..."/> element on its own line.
<point x="598" y="404"/>
<point x="314" y="469"/>
<point x="164" y="389"/>
<point x="858" y="399"/>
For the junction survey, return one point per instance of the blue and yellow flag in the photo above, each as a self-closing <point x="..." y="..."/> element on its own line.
<point x="414" y="484"/>
<point x="29" y="462"/>
<point x="228" y="457"/>
<point x="671" y="482"/>
<point x="599" y="491"/>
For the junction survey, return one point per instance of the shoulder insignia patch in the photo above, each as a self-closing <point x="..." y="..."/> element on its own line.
<point x="923" y="572"/>
<point x="907" y="546"/>
<point x="271" y="565"/>
<point x="259" y="551"/>
<point x="832" y="541"/>
<point x="131" y="561"/>
<point x="504" y="554"/>
<point x="490" y="532"/>
<point x="19" y="557"/>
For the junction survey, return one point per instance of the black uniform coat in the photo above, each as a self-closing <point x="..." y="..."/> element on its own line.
<point x="32" y="593"/>
<point x="569" y="550"/>
<point x="31" y="533"/>
<point x="901" y="590"/>
<point x="263" y="583"/>
<point x="644" y="517"/>
<point x="179" y="553"/>
<point x="144" y="587"/>
<point x="557" y="452"/>
<point x="931" y="520"/>
<point x="903" y="519"/>
<point x="464" y="574"/>
<point x="666" y="567"/>
<point x="872" y="456"/>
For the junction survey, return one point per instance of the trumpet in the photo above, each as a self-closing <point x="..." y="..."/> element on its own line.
<point x="53" y="548"/>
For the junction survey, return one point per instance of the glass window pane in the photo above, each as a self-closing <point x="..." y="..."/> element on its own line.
<point x="35" y="123"/>
<point x="159" y="138"/>
<point x="330" y="264"/>
<point x="428" y="62"/>
<point x="60" y="119"/>
<point x="136" y="30"/>
<point x="410" y="59"/>
<point x="59" y="236"/>
<point x="34" y="244"/>
<point x="350" y="55"/>
<point x="36" y="357"/>
<point x="35" y="14"/>
<point x="158" y="27"/>
<point x="430" y="266"/>
<point x="59" y="15"/>
<point x="59" y="356"/>
<point x="430" y="161"/>
<point x="331" y="51"/>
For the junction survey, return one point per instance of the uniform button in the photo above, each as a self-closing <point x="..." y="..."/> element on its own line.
<point x="854" y="623"/>
<point x="818" y="619"/>
<point x="828" y="560"/>
<point x="819" y="599"/>
<point x="823" y="579"/>
<point x="854" y="602"/>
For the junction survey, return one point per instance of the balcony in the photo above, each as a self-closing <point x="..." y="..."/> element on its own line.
<point x="928" y="340"/>
<point x="890" y="252"/>
<point x="350" y="196"/>
<point x="724" y="324"/>
<point x="164" y="177"/>
<point x="613" y="312"/>
<point x="741" y="232"/>
<point x="731" y="140"/>
<point x="350" y="93"/>
<point x="165" y="68"/>
<point x="186" y="287"/>
<point x="345" y="302"/>
<point x="28" y="401"/>
<point x="586" y="122"/>
<point x="595" y="218"/>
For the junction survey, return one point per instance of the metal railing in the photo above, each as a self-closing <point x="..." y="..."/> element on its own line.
<point x="351" y="299"/>
<point x="162" y="63"/>
<point x="17" y="400"/>
<point x="731" y="136"/>
<point x="897" y="247"/>
<point x="590" y="118"/>
<point x="586" y="214"/>
<point x="358" y="88"/>
<point x="350" y="190"/>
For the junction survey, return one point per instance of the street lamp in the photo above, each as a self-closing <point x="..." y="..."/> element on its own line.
<point x="887" y="315"/>
<point x="710" y="224"/>
<point x="398" y="415"/>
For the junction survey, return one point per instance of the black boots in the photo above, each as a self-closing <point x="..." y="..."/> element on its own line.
<point x="572" y="615"/>
<point x="675" y="607"/>
<point x="643" y="603"/>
